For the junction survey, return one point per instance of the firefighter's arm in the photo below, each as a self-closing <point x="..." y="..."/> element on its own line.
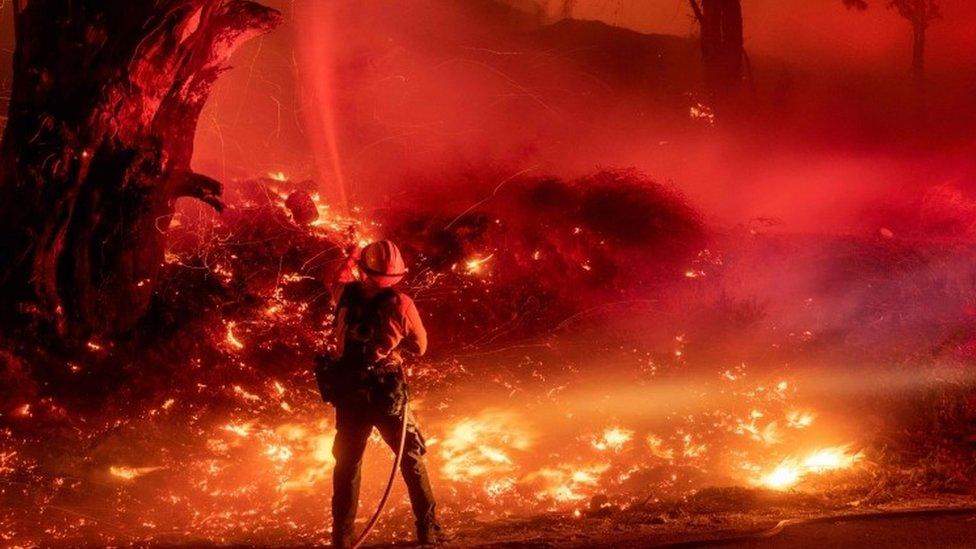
<point x="416" y="336"/>
<point x="339" y="329"/>
<point x="345" y="274"/>
<point x="402" y="330"/>
<point x="339" y="323"/>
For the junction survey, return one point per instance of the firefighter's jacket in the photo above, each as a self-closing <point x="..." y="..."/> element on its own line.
<point x="373" y="325"/>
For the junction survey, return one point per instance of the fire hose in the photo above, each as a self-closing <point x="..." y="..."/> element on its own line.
<point x="389" y="484"/>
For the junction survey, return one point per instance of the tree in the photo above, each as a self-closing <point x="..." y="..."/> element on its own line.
<point x="105" y="101"/>
<point x="721" y="44"/>
<point x="920" y="13"/>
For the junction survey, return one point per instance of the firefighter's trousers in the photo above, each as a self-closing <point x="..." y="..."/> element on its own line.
<point x="354" y="424"/>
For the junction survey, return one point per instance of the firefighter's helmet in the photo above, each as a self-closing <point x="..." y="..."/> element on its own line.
<point x="382" y="262"/>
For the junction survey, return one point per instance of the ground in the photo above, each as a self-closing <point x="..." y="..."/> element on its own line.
<point x="945" y="522"/>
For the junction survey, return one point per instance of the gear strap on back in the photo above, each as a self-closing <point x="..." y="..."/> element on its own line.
<point x="364" y="322"/>
<point x="355" y="370"/>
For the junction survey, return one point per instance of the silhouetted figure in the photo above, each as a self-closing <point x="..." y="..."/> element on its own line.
<point x="374" y="323"/>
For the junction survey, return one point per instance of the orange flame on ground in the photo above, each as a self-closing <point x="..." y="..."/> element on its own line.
<point x="477" y="446"/>
<point x="793" y="470"/>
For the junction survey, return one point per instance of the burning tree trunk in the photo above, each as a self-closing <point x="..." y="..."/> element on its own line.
<point x="97" y="147"/>
<point x="722" y="44"/>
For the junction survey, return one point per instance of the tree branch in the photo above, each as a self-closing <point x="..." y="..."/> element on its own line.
<point x="194" y="185"/>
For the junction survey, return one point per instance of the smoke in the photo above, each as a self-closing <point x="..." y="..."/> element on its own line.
<point x="368" y="100"/>
<point x="811" y="182"/>
<point x="430" y="92"/>
<point x="766" y="281"/>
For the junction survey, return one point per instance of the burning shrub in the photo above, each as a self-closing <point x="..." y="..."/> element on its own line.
<point x="213" y="412"/>
<point x="544" y="249"/>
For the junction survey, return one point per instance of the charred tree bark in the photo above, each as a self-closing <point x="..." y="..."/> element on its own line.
<point x="722" y="44"/>
<point x="97" y="147"/>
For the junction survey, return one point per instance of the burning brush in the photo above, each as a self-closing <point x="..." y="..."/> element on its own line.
<point x="217" y="433"/>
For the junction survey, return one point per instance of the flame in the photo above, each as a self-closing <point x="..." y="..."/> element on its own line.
<point x="259" y="466"/>
<point x="768" y="434"/>
<point x="657" y="448"/>
<point x="239" y="429"/>
<point x="278" y="176"/>
<point x="691" y="449"/>
<point x="792" y="470"/>
<point x="567" y="483"/>
<point x="800" y="420"/>
<point x="478" y="446"/>
<point x="613" y="439"/>
<point x="829" y="459"/>
<point x="279" y="452"/>
<point x="130" y="473"/>
<point x="238" y="390"/>
<point x="784" y="476"/>
<point x="308" y="454"/>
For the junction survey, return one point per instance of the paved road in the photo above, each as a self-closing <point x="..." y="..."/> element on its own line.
<point x="901" y="533"/>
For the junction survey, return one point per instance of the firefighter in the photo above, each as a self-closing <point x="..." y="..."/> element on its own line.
<point x="374" y="323"/>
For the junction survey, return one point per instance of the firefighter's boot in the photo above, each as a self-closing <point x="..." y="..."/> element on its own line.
<point x="432" y="533"/>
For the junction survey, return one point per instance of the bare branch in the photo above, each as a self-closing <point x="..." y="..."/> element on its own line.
<point x="186" y="183"/>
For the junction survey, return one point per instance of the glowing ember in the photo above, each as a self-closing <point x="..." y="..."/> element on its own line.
<point x="702" y="112"/>
<point x="231" y="339"/>
<point x="475" y="265"/>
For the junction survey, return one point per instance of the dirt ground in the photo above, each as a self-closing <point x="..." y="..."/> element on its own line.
<point x="944" y="522"/>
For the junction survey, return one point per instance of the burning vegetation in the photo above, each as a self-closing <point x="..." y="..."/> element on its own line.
<point x="539" y="396"/>
<point x="602" y="347"/>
